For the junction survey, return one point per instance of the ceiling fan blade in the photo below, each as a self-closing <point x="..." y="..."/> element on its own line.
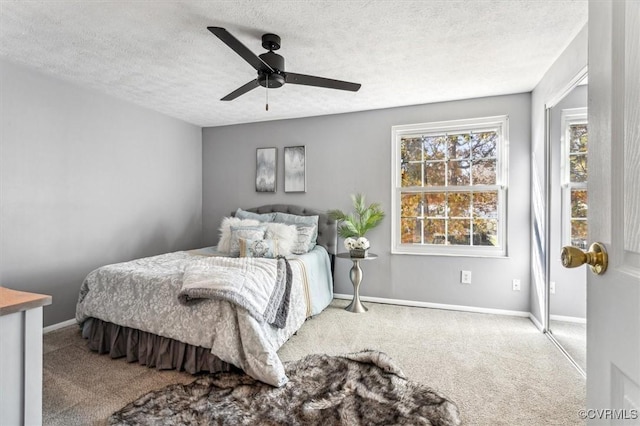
<point x="240" y="48"/>
<point x="310" y="80"/>
<point x="241" y="90"/>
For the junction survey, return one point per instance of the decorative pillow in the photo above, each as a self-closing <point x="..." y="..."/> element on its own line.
<point x="258" y="248"/>
<point x="303" y="239"/>
<point x="225" y="231"/>
<point x="264" y="217"/>
<point x="300" y="221"/>
<point x="246" y="232"/>
<point x="286" y="235"/>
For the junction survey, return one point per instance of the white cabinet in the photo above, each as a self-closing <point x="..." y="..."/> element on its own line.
<point x="21" y="357"/>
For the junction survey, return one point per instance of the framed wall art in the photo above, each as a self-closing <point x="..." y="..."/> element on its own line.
<point x="266" y="162"/>
<point x="295" y="179"/>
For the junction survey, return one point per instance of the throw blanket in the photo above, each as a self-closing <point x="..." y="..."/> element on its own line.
<point x="261" y="286"/>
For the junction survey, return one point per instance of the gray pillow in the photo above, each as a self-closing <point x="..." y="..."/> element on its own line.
<point x="301" y="222"/>
<point x="264" y="217"/>
<point x="246" y="232"/>
<point x="303" y="239"/>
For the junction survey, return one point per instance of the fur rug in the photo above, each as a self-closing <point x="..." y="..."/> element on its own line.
<point x="362" y="388"/>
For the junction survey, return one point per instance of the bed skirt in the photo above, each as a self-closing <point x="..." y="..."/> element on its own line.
<point x="150" y="349"/>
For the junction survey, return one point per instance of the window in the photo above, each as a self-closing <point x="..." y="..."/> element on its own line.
<point x="449" y="190"/>
<point x="574" y="177"/>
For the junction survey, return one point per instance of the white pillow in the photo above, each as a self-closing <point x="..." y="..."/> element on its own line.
<point x="224" y="244"/>
<point x="285" y="235"/>
<point x="292" y="219"/>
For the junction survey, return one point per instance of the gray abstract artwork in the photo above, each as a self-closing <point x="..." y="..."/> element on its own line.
<point x="266" y="169"/>
<point x="294" y="169"/>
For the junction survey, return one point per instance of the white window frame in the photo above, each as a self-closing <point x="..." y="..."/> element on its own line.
<point x="499" y="124"/>
<point x="569" y="117"/>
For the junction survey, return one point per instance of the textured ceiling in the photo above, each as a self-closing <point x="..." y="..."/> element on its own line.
<point x="159" y="54"/>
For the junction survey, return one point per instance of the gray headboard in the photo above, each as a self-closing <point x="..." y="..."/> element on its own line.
<point x="327" y="228"/>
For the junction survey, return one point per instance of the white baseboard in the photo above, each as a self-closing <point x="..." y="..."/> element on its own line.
<point x="58" y="326"/>
<point x="435" y="305"/>
<point x="568" y="319"/>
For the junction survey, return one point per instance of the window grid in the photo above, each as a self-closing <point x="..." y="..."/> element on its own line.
<point x="443" y="149"/>
<point x="575" y="176"/>
<point x="422" y="216"/>
<point x="424" y="161"/>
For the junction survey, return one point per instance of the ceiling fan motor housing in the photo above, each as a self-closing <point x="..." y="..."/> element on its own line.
<point x="270" y="41"/>
<point x="270" y="67"/>
<point x="276" y="62"/>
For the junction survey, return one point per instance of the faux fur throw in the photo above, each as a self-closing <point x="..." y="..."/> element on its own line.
<point x="261" y="286"/>
<point x="363" y="388"/>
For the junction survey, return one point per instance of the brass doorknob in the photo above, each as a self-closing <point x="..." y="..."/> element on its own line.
<point x="596" y="257"/>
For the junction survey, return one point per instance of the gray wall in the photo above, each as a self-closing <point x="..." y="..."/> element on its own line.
<point x="88" y="180"/>
<point x="351" y="153"/>
<point x="570" y="298"/>
<point x="568" y="65"/>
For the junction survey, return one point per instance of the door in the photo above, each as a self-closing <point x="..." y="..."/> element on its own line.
<point x="613" y="298"/>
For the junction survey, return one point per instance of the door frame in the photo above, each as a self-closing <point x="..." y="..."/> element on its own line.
<point x="553" y="100"/>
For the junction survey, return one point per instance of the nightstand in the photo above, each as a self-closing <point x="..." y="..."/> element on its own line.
<point x="356" y="278"/>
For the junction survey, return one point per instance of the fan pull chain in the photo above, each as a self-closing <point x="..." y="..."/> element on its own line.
<point x="267" y="104"/>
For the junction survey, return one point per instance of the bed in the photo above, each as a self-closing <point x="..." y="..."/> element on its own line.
<point x="131" y="310"/>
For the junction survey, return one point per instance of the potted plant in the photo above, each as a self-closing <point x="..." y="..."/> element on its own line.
<point x="353" y="226"/>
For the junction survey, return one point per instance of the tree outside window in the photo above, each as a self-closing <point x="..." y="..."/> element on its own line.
<point x="574" y="185"/>
<point x="450" y="186"/>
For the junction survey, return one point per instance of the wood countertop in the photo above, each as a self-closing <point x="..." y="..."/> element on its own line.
<point x="12" y="301"/>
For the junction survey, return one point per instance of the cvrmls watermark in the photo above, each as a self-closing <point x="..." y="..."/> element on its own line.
<point x="608" y="414"/>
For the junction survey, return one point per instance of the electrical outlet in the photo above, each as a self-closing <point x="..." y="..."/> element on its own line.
<point x="465" y="277"/>
<point x="516" y="284"/>
<point x="552" y="287"/>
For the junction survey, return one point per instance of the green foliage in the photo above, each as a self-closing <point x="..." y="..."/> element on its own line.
<point x="362" y="220"/>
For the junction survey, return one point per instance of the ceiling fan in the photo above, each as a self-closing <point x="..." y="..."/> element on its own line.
<point x="270" y="67"/>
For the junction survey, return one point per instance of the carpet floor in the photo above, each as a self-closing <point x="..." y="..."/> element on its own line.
<point x="500" y="370"/>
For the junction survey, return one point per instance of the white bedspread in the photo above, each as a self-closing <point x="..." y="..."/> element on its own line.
<point x="143" y="294"/>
